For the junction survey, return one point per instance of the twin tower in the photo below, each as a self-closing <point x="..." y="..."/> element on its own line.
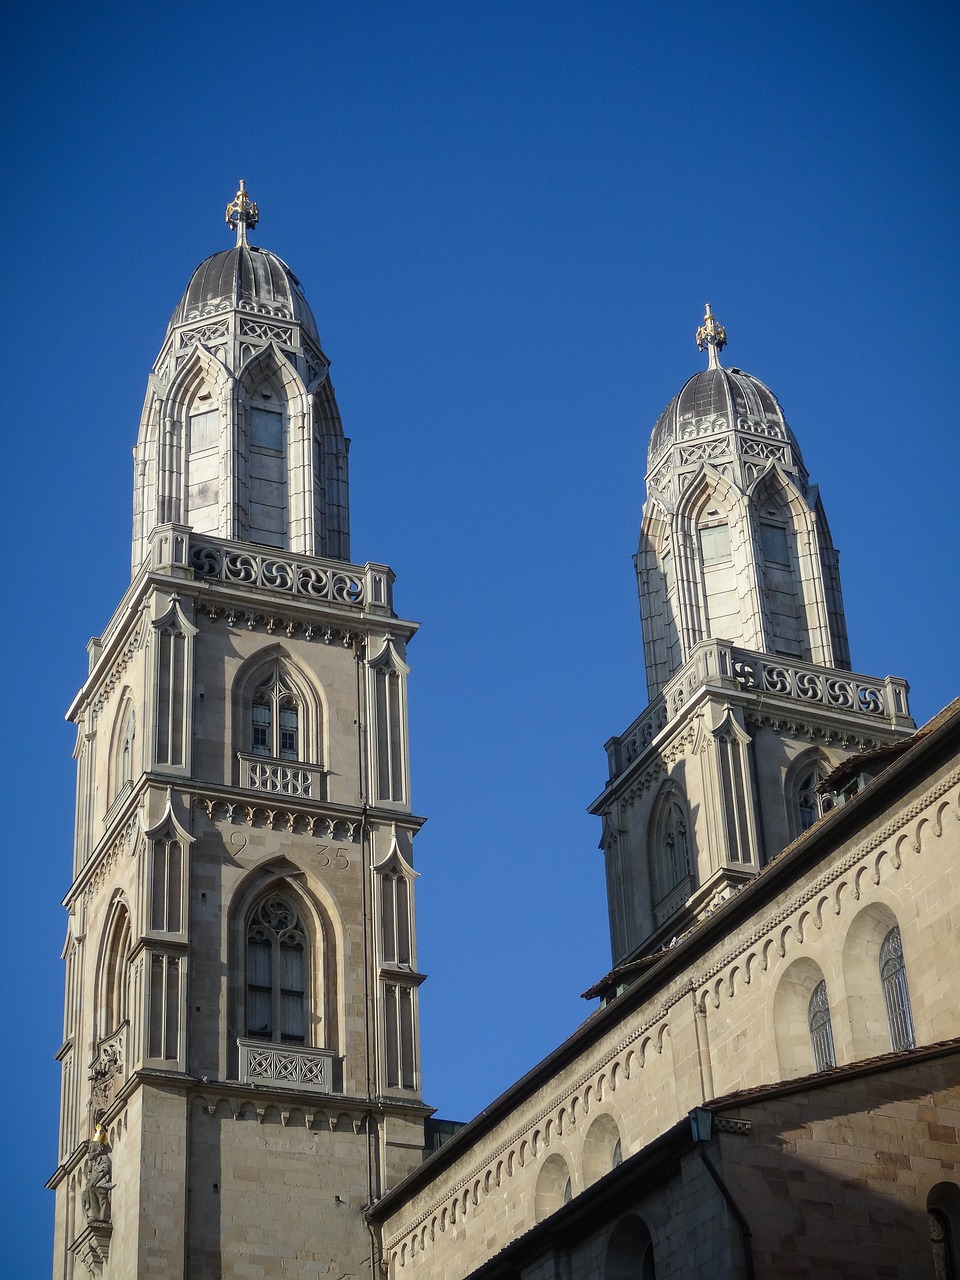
<point x="240" y="1061"/>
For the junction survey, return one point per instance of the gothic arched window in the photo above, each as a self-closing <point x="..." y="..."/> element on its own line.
<point x="804" y="804"/>
<point x="896" y="994"/>
<point x="275" y="720"/>
<point x="670" y="846"/>
<point x="115" y="992"/>
<point x="821" y="1030"/>
<point x="811" y="806"/>
<point x="277" y="951"/>
<point x="123" y="754"/>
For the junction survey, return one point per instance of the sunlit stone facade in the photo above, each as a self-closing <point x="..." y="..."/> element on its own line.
<point x="241" y="1026"/>
<point x="771" y="1083"/>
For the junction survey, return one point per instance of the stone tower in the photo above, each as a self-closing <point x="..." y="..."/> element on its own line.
<point x="240" y="1057"/>
<point x="752" y="701"/>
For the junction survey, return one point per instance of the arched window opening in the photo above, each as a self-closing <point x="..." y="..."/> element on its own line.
<point x="277" y="951"/>
<point x="943" y="1217"/>
<point x="821" y="1030"/>
<point x="629" y="1253"/>
<point x="114" y="992"/>
<point x="602" y="1148"/>
<point x="123" y="763"/>
<point x="896" y="994"/>
<point x="554" y="1187"/>
<point x="811" y="806"/>
<point x="940" y="1244"/>
<point x="275" y="720"/>
<point x="671" y="853"/>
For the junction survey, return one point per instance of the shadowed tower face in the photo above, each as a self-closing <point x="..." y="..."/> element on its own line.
<point x="241" y="1026"/>
<point x="746" y="656"/>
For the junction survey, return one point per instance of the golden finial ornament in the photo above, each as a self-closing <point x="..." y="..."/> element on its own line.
<point x="242" y="213"/>
<point x="711" y="335"/>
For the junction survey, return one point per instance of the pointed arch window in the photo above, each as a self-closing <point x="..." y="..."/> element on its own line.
<point x="671" y="847"/>
<point x="805" y="805"/>
<point x="123" y="763"/>
<point x="277" y="955"/>
<point x="821" y="1029"/>
<point x="275" y="720"/>
<point x="811" y="806"/>
<point x="896" y="994"/>
<point x="114" y="992"/>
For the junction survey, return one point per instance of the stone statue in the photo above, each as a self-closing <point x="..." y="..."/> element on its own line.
<point x="97" y="1172"/>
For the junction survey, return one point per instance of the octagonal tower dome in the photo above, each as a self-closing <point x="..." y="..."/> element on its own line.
<point x="727" y="412"/>
<point x="241" y="437"/>
<point x="734" y="544"/>
<point x="244" y="278"/>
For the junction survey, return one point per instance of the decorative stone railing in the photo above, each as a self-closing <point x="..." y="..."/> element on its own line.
<point x="308" y="577"/>
<point x="279" y="778"/>
<point x="800" y="682"/>
<point x="804" y="682"/>
<point x="284" y="1064"/>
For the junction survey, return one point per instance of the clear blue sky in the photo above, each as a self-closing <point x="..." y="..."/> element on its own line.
<point x="507" y="217"/>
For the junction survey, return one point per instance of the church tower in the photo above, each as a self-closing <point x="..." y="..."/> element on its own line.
<point x="240" y="1056"/>
<point x="752" y="700"/>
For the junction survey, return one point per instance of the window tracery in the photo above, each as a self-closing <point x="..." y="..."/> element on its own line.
<point x="671" y="846"/>
<point x="896" y="994"/>
<point x="275" y="720"/>
<point x="821" y="1028"/>
<point x="276" y="973"/>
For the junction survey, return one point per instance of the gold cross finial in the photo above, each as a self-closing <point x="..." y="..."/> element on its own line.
<point x="713" y="336"/>
<point x="242" y="213"/>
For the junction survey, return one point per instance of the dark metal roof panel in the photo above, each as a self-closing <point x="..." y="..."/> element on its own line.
<point x="245" y="274"/>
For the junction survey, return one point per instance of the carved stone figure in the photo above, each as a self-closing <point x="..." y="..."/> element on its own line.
<point x="97" y="1172"/>
<point x="103" y="1077"/>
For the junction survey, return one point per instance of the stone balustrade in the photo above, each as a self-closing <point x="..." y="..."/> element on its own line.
<point x="308" y="577"/>
<point x="804" y="683"/>
<point x="286" y="1064"/>
<point x="283" y="778"/>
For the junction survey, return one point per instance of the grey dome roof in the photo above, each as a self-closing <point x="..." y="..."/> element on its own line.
<point x="249" y="279"/>
<point x="728" y="398"/>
